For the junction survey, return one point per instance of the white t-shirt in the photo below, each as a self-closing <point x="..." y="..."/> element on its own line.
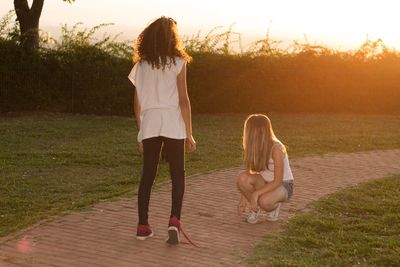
<point x="157" y="91"/>
<point x="268" y="174"/>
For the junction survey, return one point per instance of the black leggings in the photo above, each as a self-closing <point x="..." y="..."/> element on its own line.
<point x="175" y="155"/>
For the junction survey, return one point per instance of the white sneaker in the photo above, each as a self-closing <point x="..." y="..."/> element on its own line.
<point x="253" y="217"/>
<point x="272" y="216"/>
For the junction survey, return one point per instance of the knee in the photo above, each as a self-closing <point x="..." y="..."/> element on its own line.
<point x="242" y="179"/>
<point x="266" y="203"/>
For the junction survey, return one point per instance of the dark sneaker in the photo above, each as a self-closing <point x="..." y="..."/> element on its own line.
<point x="144" y="232"/>
<point x="174" y="227"/>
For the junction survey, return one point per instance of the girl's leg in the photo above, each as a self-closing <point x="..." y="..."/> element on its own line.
<point x="248" y="183"/>
<point x="175" y="149"/>
<point x="151" y="155"/>
<point x="269" y="201"/>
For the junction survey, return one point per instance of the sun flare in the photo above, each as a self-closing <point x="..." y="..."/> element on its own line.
<point x="339" y="24"/>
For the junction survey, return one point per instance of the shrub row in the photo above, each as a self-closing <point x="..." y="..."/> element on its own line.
<point x="299" y="83"/>
<point x="78" y="81"/>
<point x="81" y="74"/>
<point x="92" y="81"/>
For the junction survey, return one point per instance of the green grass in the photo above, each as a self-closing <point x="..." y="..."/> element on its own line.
<point x="50" y="164"/>
<point x="359" y="226"/>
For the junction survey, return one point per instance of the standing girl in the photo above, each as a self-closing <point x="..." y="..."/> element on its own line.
<point x="268" y="179"/>
<point x="163" y="115"/>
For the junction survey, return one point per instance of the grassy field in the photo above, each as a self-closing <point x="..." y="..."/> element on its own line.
<point x="51" y="164"/>
<point x="355" y="227"/>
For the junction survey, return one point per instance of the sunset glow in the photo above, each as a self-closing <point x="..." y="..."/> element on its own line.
<point x="339" y="24"/>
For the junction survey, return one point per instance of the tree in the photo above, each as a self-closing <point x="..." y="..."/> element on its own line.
<point x="28" y="18"/>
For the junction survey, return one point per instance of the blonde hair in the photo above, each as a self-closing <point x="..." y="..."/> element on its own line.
<point x="258" y="139"/>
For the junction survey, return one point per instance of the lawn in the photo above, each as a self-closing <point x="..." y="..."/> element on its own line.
<point x="359" y="226"/>
<point x="51" y="164"/>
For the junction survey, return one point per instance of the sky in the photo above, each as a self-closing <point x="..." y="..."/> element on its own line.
<point x="340" y="24"/>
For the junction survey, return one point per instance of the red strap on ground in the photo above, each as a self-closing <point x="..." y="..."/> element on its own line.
<point x="187" y="238"/>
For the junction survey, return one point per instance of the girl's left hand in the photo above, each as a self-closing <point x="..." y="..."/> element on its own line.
<point x="190" y="143"/>
<point x="254" y="201"/>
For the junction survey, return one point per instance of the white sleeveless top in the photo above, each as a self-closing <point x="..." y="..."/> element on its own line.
<point x="268" y="174"/>
<point x="157" y="91"/>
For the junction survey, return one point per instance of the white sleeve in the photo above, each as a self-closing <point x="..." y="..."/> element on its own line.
<point x="179" y="64"/>
<point x="132" y="74"/>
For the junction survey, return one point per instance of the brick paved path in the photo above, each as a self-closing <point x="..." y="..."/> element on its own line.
<point x="105" y="235"/>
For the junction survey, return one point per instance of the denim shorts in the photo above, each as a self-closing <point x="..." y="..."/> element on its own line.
<point x="288" y="185"/>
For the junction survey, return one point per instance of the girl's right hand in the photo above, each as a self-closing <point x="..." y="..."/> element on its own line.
<point x="242" y="205"/>
<point x="140" y="147"/>
<point x="190" y="143"/>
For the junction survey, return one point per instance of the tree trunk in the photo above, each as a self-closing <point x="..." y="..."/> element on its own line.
<point x="28" y="19"/>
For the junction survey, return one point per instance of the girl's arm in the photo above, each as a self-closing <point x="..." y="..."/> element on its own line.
<point x="136" y="111"/>
<point x="242" y="204"/>
<point x="184" y="104"/>
<point x="277" y="156"/>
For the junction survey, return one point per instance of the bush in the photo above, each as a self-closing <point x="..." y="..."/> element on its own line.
<point x="81" y="74"/>
<point x="77" y="75"/>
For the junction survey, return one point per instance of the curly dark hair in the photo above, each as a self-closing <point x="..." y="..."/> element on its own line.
<point x="159" y="44"/>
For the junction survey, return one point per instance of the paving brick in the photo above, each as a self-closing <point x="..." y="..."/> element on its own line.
<point x="105" y="234"/>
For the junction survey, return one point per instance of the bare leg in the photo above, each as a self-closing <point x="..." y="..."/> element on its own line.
<point x="269" y="201"/>
<point x="247" y="183"/>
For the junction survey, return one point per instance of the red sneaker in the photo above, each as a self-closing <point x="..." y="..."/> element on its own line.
<point x="143" y="232"/>
<point x="174" y="229"/>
